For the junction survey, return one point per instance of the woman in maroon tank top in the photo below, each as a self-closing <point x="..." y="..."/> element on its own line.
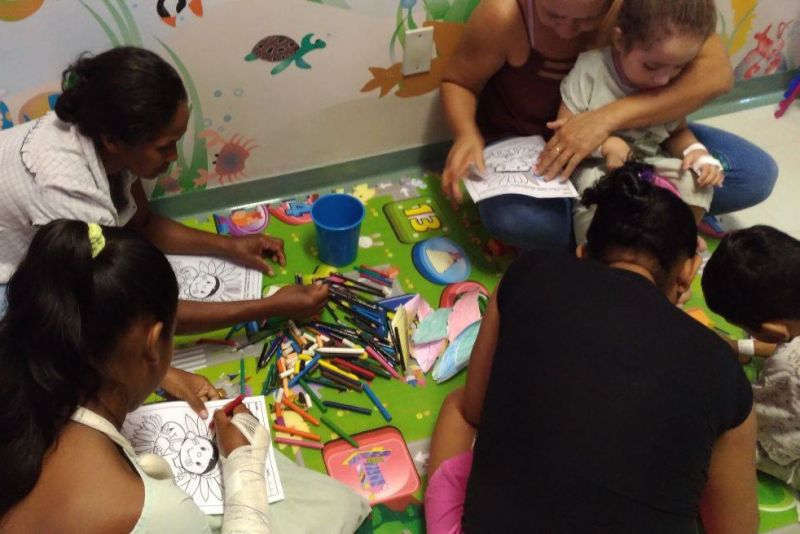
<point x="503" y="81"/>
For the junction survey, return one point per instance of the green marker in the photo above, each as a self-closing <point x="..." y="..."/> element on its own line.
<point x="314" y="397"/>
<point x="342" y="434"/>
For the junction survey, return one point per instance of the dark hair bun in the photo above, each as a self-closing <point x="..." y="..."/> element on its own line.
<point x="129" y="94"/>
<point x="634" y="214"/>
<point x="623" y="189"/>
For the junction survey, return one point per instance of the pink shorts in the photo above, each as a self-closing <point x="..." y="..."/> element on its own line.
<point x="444" y="498"/>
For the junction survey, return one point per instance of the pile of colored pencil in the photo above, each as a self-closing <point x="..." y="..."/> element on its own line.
<point x="359" y="345"/>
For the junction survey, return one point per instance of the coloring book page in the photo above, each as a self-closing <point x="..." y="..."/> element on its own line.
<point x="208" y="279"/>
<point x="508" y="171"/>
<point x="175" y="432"/>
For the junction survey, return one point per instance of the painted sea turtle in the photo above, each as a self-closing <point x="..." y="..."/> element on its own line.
<point x="283" y="49"/>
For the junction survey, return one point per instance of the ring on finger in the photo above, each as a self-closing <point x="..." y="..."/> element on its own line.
<point x="558" y="149"/>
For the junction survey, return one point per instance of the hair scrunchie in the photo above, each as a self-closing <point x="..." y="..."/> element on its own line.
<point x="96" y="239"/>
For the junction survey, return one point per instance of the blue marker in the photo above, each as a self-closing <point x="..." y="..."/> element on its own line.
<point x="376" y="401"/>
<point x="309" y="366"/>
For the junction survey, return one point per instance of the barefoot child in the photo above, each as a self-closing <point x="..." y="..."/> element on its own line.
<point x="651" y="44"/>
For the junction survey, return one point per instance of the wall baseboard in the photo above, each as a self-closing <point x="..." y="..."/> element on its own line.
<point x="748" y="94"/>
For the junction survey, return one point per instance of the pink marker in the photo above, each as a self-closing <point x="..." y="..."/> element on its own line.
<point x="380" y="359"/>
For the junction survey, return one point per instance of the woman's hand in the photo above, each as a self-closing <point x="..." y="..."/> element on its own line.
<point x="298" y="301"/>
<point x="466" y="150"/>
<point x="250" y="251"/>
<point x="708" y="174"/>
<point x="229" y="438"/>
<point x="575" y="138"/>
<point x="189" y="387"/>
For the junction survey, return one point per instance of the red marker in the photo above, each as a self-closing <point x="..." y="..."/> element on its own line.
<point x="228" y="408"/>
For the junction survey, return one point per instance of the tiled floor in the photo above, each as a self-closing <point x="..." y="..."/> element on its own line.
<point x="781" y="138"/>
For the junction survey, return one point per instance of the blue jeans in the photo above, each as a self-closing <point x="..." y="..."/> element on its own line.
<point x="3" y="303"/>
<point x="534" y="223"/>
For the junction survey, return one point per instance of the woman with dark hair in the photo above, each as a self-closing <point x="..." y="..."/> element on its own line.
<point x="594" y="404"/>
<point x="118" y="121"/>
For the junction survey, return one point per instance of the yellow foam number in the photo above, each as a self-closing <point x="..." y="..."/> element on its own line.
<point x="422" y="218"/>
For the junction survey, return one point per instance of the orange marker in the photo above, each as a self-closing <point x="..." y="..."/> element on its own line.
<point x="296" y="432"/>
<point x="302" y="413"/>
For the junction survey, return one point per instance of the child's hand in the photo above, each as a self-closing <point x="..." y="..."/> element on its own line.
<point x="615" y="151"/>
<point x="707" y="168"/>
<point x="229" y="438"/>
<point x="297" y="301"/>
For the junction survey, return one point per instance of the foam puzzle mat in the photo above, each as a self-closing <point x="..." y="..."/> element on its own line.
<point x="407" y="217"/>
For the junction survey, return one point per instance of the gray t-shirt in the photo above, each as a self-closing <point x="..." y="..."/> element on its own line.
<point x="593" y="83"/>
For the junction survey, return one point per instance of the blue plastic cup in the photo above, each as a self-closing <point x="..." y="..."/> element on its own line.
<point x="337" y="219"/>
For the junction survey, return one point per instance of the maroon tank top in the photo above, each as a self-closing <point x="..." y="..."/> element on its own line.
<point x="521" y="100"/>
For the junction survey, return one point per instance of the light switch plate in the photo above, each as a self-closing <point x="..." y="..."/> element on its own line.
<point x="418" y="51"/>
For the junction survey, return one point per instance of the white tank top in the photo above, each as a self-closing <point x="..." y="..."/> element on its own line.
<point x="166" y="508"/>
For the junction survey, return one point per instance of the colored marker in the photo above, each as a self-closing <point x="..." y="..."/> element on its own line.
<point x="355" y="369"/>
<point x="376" y="401"/>
<point x="299" y="443"/>
<point x="314" y="397"/>
<point x="329" y="366"/>
<point x="342" y="434"/>
<point x="228" y="409"/>
<point x="349" y="384"/>
<point x="296" y="432"/>
<point x="309" y="366"/>
<point x="322" y="381"/>
<point x="348" y="407"/>
<point x="241" y="376"/>
<point x="299" y="411"/>
<point x="382" y="361"/>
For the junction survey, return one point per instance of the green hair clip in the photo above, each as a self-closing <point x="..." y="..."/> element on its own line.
<point x="96" y="239"/>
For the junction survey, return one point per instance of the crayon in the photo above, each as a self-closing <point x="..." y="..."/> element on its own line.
<point x="342" y="434"/>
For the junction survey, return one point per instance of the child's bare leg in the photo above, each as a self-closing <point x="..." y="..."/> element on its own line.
<point x="699" y="213"/>
<point x="452" y="434"/>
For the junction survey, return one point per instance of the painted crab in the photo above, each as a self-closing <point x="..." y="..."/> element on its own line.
<point x="283" y="49"/>
<point x="229" y="160"/>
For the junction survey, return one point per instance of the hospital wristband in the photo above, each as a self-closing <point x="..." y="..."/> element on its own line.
<point x="746" y="347"/>
<point x="693" y="147"/>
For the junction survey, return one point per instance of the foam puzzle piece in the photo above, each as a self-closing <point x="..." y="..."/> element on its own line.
<point x="433" y="327"/>
<point x="456" y="357"/>
<point x="465" y="312"/>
